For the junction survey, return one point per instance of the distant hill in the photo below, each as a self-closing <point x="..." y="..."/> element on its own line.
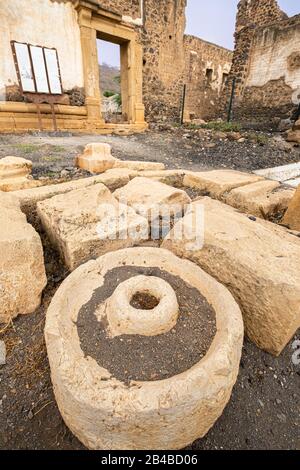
<point x="107" y="75"/>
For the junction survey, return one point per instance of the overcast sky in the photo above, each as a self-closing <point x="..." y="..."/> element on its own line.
<point x="213" y="20"/>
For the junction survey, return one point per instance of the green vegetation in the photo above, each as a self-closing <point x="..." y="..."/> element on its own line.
<point x="50" y="158"/>
<point x="260" y="139"/>
<point x="118" y="100"/>
<point x="108" y="93"/>
<point x="27" y="148"/>
<point x="57" y="148"/>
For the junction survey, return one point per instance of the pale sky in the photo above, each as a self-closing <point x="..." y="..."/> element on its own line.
<point x="213" y="20"/>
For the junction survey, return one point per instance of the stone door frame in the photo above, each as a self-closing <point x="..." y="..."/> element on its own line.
<point x="96" y="23"/>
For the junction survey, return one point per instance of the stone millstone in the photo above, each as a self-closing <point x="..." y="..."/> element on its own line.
<point x="166" y="367"/>
<point x="22" y="271"/>
<point x="257" y="260"/>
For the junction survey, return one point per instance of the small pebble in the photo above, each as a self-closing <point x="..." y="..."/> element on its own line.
<point x="2" y="353"/>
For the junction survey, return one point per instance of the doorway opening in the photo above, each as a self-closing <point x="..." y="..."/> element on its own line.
<point x="109" y="60"/>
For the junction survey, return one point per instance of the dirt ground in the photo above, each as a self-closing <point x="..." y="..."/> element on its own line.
<point x="264" y="411"/>
<point x="192" y="149"/>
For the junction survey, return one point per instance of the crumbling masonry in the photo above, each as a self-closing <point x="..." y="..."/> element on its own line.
<point x="266" y="64"/>
<point x="157" y="60"/>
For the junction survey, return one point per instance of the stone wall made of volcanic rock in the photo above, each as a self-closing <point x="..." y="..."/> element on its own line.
<point x="207" y="67"/>
<point x="266" y="63"/>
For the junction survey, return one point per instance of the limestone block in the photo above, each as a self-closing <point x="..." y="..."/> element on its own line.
<point x="294" y="134"/>
<point x="29" y="198"/>
<point x="138" y="166"/>
<point x="262" y="199"/>
<point x="218" y="182"/>
<point x="12" y="167"/>
<point x="15" y="174"/>
<point x="292" y="216"/>
<point x="22" y="271"/>
<point x="170" y="177"/>
<point x="106" y="411"/>
<point x="96" y="158"/>
<point x="86" y="223"/>
<point x="152" y="199"/>
<point x="257" y="260"/>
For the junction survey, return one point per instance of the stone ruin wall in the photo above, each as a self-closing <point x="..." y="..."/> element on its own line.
<point x="207" y="67"/>
<point x="163" y="61"/>
<point x="266" y="64"/>
<point x="167" y="60"/>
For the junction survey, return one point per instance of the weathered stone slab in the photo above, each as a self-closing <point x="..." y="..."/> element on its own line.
<point x="22" y="271"/>
<point x="138" y="166"/>
<point x="89" y="222"/>
<point x="96" y="158"/>
<point x="292" y="216"/>
<point x="29" y="198"/>
<point x="152" y="198"/>
<point x="263" y="199"/>
<point x="258" y="261"/>
<point x="282" y="173"/>
<point x="218" y="182"/>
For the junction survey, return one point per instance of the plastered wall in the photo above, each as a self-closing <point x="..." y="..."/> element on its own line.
<point x="45" y="23"/>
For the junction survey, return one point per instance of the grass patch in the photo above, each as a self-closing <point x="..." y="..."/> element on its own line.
<point x="57" y="148"/>
<point x="50" y="158"/>
<point x="260" y="139"/>
<point x="27" y="148"/>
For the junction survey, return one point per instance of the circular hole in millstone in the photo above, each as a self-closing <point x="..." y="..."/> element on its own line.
<point x="144" y="301"/>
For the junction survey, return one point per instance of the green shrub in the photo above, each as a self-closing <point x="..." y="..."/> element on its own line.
<point x="108" y="93"/>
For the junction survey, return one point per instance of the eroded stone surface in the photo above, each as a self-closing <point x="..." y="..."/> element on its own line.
<point x="29" y="198"/>
<point x="218" y="182"/>
<point x="12" y="167"/>
<point x="294" y="134"/>
<point x="22" y="271"/>
<point x="257" y="260"/>
<point x="152" y="198"/>
<point x="15" y="174"/>
<point x="292" y="216"/>
<point x="138" y="166"/>
<point x="105" y="413"/>
<point x="89" y="222"/>
<point x="262" y="199"/>
<point x="96" y="158"/>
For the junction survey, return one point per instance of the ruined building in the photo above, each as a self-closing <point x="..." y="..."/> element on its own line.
<point x="157" y="60"/>
<point x="266" y="64"/>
